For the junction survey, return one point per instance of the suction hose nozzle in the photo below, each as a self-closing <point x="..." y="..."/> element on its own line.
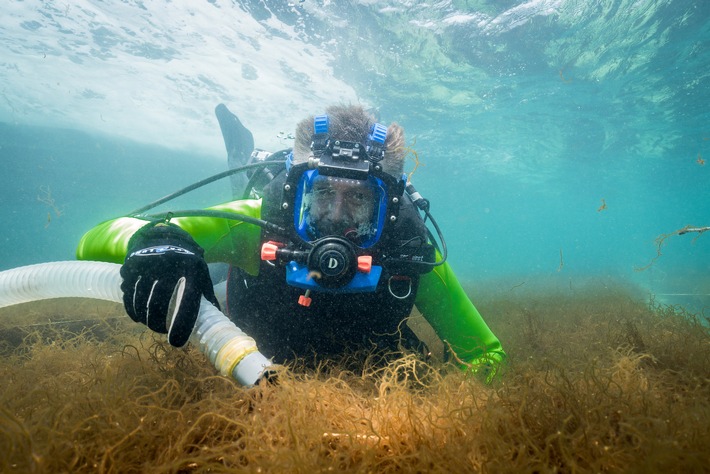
<point x="231" y="351"/>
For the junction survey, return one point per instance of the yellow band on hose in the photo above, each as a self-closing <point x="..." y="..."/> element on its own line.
<point x="232" y="353"/>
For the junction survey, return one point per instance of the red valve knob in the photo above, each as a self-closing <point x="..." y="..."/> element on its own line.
<point x="364" y="263"/>
<point x="305" y="300"/>
<point x="268" y="251"/>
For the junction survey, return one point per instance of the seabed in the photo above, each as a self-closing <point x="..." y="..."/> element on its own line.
<point x="598" y="381"/>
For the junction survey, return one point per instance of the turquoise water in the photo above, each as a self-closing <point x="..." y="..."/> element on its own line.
<point x="558" y="139"/>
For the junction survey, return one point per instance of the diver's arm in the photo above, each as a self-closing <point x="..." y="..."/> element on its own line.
<point x="224" y="240"/>
<point x="444" y="303"/>
<point x="108" y="241"/>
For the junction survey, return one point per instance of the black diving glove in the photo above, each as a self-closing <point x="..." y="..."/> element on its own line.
<point x="164" y="278"/>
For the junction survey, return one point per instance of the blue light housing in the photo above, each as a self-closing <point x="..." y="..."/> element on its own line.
<point x="378" y="133"/>
<point x="321" y="124"/>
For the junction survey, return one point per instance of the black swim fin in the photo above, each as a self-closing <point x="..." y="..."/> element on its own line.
<point x="239" y="142"/>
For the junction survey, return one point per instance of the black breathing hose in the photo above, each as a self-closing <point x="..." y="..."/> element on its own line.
<point x="201" y="183"/>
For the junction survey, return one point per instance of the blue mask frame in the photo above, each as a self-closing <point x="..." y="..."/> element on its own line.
<point x="303" y="225"/>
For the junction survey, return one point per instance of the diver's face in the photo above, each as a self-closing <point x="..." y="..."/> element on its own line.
<point x="341" y="206"/>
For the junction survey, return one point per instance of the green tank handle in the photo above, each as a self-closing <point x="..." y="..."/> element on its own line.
<point x="224" y="240"/>
<point x="443" y="302"/>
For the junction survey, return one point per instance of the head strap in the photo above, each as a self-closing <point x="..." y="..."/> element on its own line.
<point x="321" y="141"/>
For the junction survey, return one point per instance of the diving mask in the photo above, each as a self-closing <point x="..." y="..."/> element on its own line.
<point x="331" y="205"/>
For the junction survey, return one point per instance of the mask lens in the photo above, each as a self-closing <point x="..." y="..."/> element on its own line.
<point x="343" y="207"/>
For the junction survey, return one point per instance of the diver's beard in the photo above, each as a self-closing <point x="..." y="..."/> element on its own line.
<point x="335" y="228"/>
<point x="356" y="235"/>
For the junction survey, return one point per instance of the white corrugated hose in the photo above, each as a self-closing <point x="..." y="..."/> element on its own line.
<point x="231" y="351"/>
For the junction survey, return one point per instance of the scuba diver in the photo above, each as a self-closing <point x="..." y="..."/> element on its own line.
<point x="326" y="246"/>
